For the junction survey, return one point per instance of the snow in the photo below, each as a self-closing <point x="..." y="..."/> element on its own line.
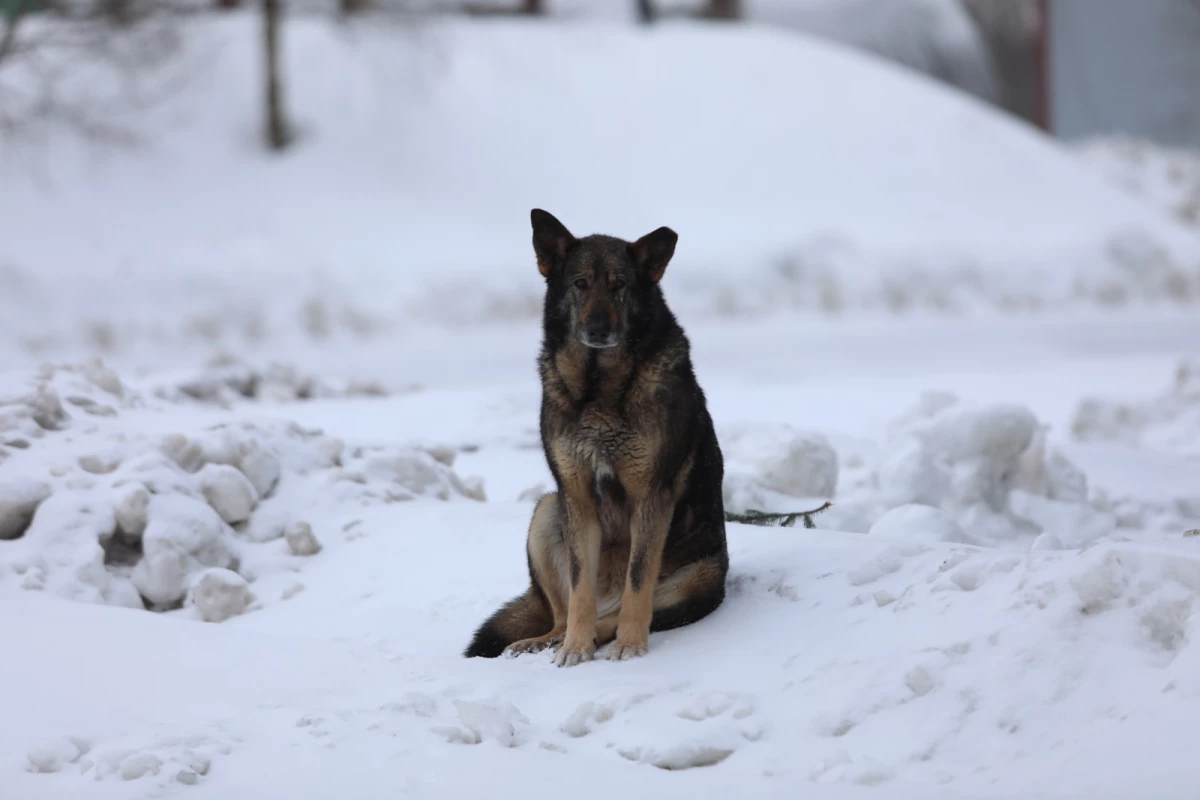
<point x="1167" y="177"/>
<point x="928" y="654"/>
<point x="423" y="145"/>
<point x="241" y="554"/>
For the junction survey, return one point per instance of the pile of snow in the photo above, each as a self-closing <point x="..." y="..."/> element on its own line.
<point x="227" y="379"/>
<point x="101" y="502"/>
<point x="799" y="173"/>
<point x="1170" y="421"/>
<point x="934" y="37"/>
<point x="1167" y="177"/>
<point x="949" y="471"/>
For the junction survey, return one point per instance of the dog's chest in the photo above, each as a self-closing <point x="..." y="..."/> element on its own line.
<point x="606" y="441"/>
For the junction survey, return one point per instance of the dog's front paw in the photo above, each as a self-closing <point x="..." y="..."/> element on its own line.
<point x="571" y="653"/>
<point x="623" y="651"/>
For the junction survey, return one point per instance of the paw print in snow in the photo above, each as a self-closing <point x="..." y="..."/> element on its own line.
<point x="181" y="760"/>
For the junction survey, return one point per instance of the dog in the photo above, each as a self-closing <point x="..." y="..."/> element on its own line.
<point x="633" y="540"/>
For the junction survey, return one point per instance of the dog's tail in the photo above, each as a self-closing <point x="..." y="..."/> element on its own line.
<point x="523" y="617"/>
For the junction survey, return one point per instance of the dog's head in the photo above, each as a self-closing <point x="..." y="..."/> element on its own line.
<point x="599" y="289"/>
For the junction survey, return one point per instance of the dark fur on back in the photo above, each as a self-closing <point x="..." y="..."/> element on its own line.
<point x="626" y="433"/>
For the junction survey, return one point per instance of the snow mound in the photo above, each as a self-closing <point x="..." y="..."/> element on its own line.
<point x="900" y="195"/>
<point x="765" y="464"/>
<point x="991" y="469"/>
<point x="226" y="380"/>
<point x="947" y="471"/>
<point x="917" y="522"/>
<point x="105" y="508"/>
<point x="1167" y="177"/>
<point x="1170" y="421"/>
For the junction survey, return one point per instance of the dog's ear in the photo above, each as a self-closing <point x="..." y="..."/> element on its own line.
<point x="653" y="252"/>
<point x="551" y="240"/>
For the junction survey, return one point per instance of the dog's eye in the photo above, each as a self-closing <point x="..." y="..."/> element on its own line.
<point x="581" y="283"/>
<point x="618" y="284"/>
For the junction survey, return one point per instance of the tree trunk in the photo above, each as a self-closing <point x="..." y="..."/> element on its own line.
<point x="117" y="12"/>
<point x="535" y="7"/>
<point x="645" y="9"/>
<point x="226" y="4"/>
<point x="278" y="133"/>
<point x="724" y="9"/>
<point x="350" y="7"/>
<point x="8" y="36"/>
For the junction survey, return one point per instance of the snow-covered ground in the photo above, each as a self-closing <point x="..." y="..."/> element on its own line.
<point x="240" y="557"/>
<point x="989" y="610"/>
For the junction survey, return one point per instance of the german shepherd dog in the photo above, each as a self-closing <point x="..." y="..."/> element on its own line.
<point x="633" y="541"/>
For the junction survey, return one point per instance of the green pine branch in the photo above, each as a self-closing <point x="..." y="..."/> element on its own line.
<point x="785" y="520"/>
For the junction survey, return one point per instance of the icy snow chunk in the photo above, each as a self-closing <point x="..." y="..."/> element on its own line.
<point x="420" y="473"/>
<point x="848" y="515"/>
<point x="1046" y="541"/>
<point x="301" y="540"/>
<point x="1099" y="584"/>
<point x="102" y="377"/>
<point x="228" y="491"/>
<point x="918" y="523"/>
<point x="266" y="525"/>
<point x="19" y="500"/>
<point x="97" y="464"/>
<point x="53" y="756"/>
<point x="46" y="408"/>
<point x="1166" y="621"/>
<point x="532" y="494"/>
<point x="187" y="454"/>
<point x="66" y="540"/>
<point x="183" y="537"/>
<point x="962" y="459"/>
<point x="678" y="757"/>
<point x="219" y="594"/>
<point x="416" y="471"/>
<point x="139" y="765"/>
<point x="908" y="475"/>
<point x="785" y="460"/>
<point x="131" y="507"/>
<point x="471" y="486"/>
<point x="261" y="468"/>
<point x="1074" y="525"/>
<point x="920" y="681"/>
<point x="1046" y="472"/>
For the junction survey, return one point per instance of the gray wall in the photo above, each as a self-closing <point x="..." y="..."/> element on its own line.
<point x="1125" y="66"/>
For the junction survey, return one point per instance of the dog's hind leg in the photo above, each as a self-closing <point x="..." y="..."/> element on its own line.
<point x="549" y="572"/>
<point x="689" y="594"/>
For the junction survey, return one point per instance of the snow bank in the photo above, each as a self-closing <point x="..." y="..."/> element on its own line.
<point x="947" y="471"/>
<point x="800" y="175"/>
<point x="226" y="379"/>
<point x="1169" y="421"/>
<point x="99" y="504"/>
<point x="1166" y="177"/>
<point x="762" y="463"/>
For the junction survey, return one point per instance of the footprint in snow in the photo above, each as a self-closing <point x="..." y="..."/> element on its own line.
<point x="185" y="760"/>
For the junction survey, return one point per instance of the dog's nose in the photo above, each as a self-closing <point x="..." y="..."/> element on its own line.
<point x="597" y="329"/>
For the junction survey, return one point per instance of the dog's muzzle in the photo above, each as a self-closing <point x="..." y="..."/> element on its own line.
<point x="599" y="343"/>
<point x="598" y="334"/>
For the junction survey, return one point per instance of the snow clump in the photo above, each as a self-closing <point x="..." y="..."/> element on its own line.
<point x="94" y="510"/>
